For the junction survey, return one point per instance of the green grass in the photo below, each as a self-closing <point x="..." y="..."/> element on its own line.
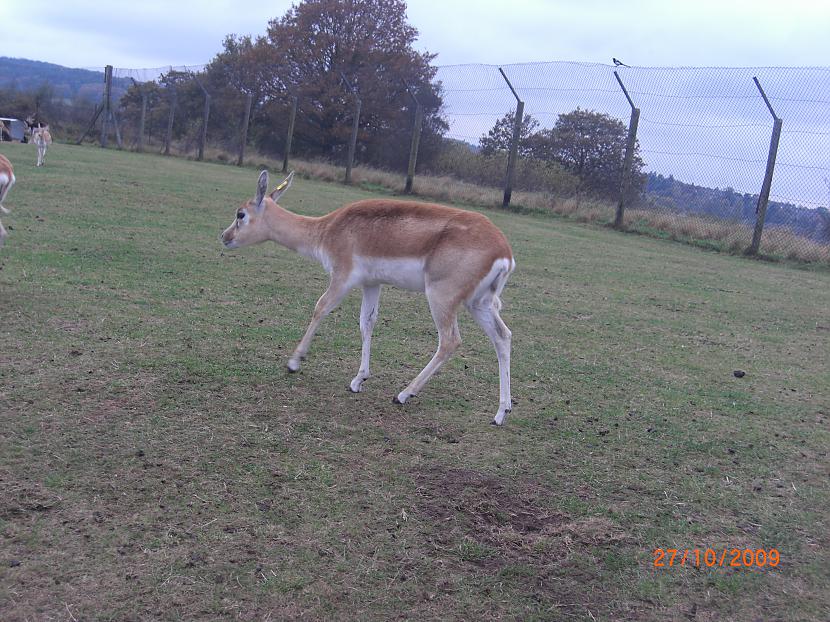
<point x="157" y="462"/>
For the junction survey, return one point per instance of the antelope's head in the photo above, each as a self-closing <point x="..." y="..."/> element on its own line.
<point x="249" y="226"/>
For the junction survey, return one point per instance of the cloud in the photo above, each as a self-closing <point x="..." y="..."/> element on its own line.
<point x="152" y="33"/>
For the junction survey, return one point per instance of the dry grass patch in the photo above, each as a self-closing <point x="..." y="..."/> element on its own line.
<point x="731" y="237"/>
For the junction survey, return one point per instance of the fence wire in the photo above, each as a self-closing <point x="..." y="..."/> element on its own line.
<point x="708" y="128"/>
<point x="703" y="136"/>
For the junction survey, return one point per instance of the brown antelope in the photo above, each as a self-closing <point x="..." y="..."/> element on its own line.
<point x="456" y="257"/>
<point x="42" y="139"/>
<point x="6" y="183"/>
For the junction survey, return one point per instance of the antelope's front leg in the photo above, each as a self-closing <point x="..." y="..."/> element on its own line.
<point x="327" y="303"/>
<point x="368" y="317"/>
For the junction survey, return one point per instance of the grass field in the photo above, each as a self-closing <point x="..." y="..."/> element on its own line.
<point x="158" y="463"/>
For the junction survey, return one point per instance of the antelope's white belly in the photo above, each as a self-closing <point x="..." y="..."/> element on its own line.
<point x="406" y="273"/>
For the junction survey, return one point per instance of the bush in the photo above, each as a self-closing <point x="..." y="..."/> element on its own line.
<point x="458" y="160"/>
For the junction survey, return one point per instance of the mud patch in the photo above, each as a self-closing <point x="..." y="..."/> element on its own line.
<point x="22" y="498"/>
<point x="508" y="530"/>
<point x="501" y="512"/>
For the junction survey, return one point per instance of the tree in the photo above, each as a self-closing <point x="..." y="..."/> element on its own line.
<point x="246" y="65"/>
<point x="588" y="144"/>
<point x="592" y="146"/>
<point x="308" y="51"/>
<point x="501" y="135"/>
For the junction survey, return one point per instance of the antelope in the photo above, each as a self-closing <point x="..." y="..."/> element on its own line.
<point x="6" y="183"/>
<point x="42" y="139"/>
<point x="454" y="256"/>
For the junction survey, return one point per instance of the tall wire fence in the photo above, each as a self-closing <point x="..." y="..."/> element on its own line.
<point x="704" y="136"/>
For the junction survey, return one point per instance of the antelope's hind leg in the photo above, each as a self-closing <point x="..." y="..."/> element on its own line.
<point x="486" y="314"/>
<point x="444" y="311"/>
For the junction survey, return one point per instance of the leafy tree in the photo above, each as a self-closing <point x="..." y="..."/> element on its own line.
<point x="592" y="146"/>
<point x="246" y="65"/>
<point x="587" y="144"/>
<point x="307" y="52"/>
<point x="499" y="137"/>
<point x="189" y="108"/>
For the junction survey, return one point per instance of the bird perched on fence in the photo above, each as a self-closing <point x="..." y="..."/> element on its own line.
<point x="619" y="63"/>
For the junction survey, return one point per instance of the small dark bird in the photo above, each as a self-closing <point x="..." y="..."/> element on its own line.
<point x="739" y="373"/>
<point x="619" y="63"/>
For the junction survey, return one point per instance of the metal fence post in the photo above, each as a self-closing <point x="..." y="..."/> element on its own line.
<point x="514" y="144"/>
<point x="203" y="139"/>
<point x="290" y="137"/>
<point x="353" y="140"/>
<point x="143" y="118"/>
<point x="763" y="198"/>
<point x="355" y="127"/>
<point x="416" y="139"/>
<point x="246" y="121"/>
<point x="205" y="117"/>
<point x="107" y="104"/>
<point x="413" y="148"/>
<point x="142" y="121"/>
<point x="169" y="136"/>
<point x="628" y="160"/>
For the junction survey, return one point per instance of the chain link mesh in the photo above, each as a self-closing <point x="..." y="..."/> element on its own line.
<point x="704" y="137"/>
<point x="707" y="130"/>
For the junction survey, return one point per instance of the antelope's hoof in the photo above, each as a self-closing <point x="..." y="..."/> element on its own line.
<point x="403" y="397"/>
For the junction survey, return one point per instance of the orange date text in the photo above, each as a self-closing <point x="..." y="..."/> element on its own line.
<point x="717" y="558"/>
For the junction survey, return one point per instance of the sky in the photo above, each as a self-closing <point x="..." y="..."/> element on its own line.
<point x="719" y="145"/>
<point x="157" y="33"/>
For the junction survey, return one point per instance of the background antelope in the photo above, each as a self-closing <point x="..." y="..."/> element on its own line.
<point x="42" y="139"/>
<point x="6" y="183"/>
<point x="454" y="256"/>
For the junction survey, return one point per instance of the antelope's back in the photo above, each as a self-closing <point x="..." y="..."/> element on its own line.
<point x="394" y="228"/>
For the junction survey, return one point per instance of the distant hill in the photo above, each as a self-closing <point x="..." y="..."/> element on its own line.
<point x="727" y="204"/>
<point x="66" y="83"/>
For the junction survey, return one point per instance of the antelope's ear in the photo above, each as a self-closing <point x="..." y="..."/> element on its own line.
<point x="285" y="185"/>
<point x="261" y="189"/>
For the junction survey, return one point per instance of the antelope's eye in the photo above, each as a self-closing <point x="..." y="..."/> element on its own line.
<point x="240" y="215"/>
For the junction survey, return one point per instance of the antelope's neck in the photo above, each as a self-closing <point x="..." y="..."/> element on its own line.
<point x="295" y="232"/>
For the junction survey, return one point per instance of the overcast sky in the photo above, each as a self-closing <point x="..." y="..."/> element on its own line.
<point x="155" y="33"/>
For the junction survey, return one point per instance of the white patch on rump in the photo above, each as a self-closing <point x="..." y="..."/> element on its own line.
<point x="491" y="286"/>
<point x="403" y="272"/>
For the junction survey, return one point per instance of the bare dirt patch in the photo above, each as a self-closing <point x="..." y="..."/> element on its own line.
<point x="510" y="529"/>
<point x="485" y="505"/>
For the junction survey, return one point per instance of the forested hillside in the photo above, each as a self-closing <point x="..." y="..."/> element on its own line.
<point x="65" y="83"/>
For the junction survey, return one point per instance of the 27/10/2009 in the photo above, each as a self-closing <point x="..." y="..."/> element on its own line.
<point x="726" y="557"/>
